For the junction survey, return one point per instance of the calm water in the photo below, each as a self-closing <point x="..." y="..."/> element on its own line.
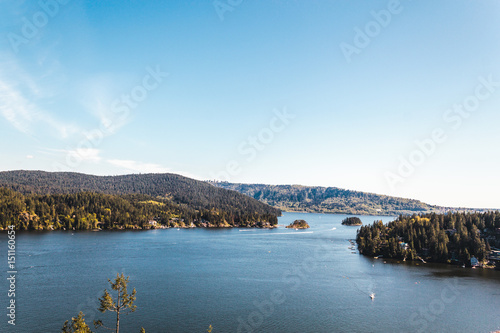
<point x="245" y="280"/>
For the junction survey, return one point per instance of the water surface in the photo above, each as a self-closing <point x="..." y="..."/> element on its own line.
<point x="242" y="280"/>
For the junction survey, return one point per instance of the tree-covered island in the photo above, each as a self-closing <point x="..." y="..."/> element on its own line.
<point x="352" y="221"/>
<point x="298" y="224"/>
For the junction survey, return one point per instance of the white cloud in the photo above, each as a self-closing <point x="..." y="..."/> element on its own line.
<point x="15" y="108"/>
<point x="98" y="94"/>
<point x="16" y="102"/>
<point x="76" y="155"/>
<point x="85" y="154"/>
<point x="23" y="115"/>
<point x="139" y="166"/>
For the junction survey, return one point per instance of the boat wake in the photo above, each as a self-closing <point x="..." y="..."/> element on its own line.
<point x="358" y="289"/>
<point x="283" y="233"/>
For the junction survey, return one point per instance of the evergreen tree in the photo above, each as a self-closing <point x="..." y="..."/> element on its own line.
<point x="77" y="325"/>
<point x="123" y="304"/>
<point x="430" y="236"/>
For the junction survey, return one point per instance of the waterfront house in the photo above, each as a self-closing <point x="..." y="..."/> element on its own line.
<point x="474" y="262"/>
<point x="403" y="245"/>
<point x="494" y="255"/>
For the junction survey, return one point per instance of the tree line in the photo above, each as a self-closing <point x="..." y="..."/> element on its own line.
<point x="177" y="189"/>
<point x="446" y="238"/>
<point x="88" y="210"/>
<point x="319" y="199"/>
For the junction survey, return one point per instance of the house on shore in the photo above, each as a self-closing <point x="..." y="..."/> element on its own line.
<point x="474" y="262"/>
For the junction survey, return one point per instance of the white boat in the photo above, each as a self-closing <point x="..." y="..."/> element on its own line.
<point x="372" y="295"/>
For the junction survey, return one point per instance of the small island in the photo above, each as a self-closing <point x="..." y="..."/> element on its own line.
<point x="352" y="221"/>
<point x="298" y="224"/>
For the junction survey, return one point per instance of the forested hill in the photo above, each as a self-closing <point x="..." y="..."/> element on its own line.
<point x="183" y="192"/>
<point x="329" y="200"/>
<point x="451" y="238"/>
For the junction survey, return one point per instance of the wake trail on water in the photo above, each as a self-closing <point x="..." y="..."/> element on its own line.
<point x="358" y="289"/>
<point x="283" y="233"/>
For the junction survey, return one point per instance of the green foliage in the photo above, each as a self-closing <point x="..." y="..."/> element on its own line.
<point x="123" y="304"/>
<point x="63" y="206"/>
<point x="77" y="325"/>
<point x="328" y="199"/>
<point x="352" y="221"/>
<point x="299" y="224"/>
<point x="452" y="237"/>
<point x="178" y="189"/>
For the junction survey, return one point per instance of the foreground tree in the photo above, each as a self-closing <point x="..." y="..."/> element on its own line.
<point x="124" y="303"/>
<point x="77" y="325"/>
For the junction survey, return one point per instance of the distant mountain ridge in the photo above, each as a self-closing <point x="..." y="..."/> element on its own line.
<point x="297" y="198"/>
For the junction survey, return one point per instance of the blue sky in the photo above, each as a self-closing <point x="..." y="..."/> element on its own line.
<point x="330" y="93"/>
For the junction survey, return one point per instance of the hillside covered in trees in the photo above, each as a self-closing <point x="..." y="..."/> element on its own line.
<point x="329" y="200"/>
<point x="43" y="200"/>
<point x="446" y="238"/>
<point x="87" y="210"/>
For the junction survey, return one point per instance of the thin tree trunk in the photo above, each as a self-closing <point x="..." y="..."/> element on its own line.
<point x="118" y="322"/>
<point x="118" y="306"/>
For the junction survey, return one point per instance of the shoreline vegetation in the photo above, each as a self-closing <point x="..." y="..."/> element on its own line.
<point x="97" y="211"/>
<point x="37" y="200"/>
<point x="467" y="239"/>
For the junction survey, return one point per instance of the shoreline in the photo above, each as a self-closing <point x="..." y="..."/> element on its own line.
<point x="142" y="229"/>
<point x="419" y="263"/>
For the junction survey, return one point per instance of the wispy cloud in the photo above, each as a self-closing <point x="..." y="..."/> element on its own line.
<point x="15" y="108"/>
<point x="139" y="166"/>
<point x="18" y="92"/>
<point x="85" y="154"/>
<point x="78" y="154"/>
